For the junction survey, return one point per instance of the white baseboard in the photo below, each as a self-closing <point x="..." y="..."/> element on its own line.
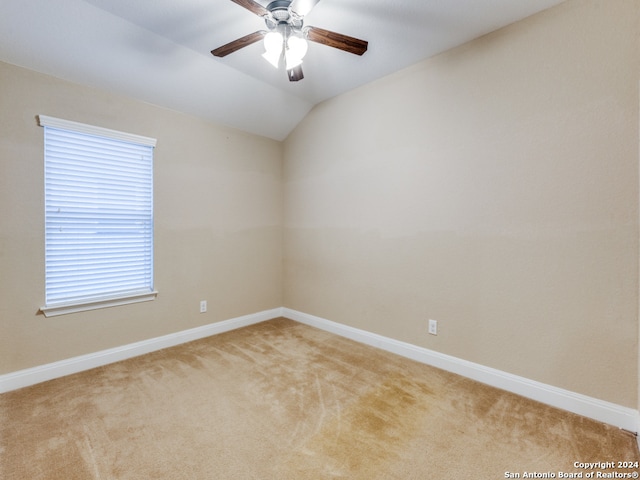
<point x="600" y="410"/>
<point x="42" y="373"/>
<point x="594" y="408"/>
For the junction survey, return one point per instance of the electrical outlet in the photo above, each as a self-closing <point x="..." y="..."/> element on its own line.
<point x="433" y="327"/>
<point x="203" y="306"/>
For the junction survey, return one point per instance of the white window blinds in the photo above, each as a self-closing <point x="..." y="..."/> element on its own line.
<point x="98" y="217"/>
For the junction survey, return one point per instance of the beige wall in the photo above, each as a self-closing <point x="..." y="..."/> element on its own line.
<point x="493" y="188"/>
<point x="218" y="222"/>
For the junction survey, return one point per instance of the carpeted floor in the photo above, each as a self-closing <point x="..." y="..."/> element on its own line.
<point x="280" y="400"/>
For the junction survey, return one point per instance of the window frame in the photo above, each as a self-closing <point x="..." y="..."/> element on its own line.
<point x="100" y="301"/>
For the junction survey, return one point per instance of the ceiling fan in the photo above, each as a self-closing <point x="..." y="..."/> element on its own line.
<point x="286" y="36"/>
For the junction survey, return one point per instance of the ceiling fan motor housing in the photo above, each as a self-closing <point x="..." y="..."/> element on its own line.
<point x="280" y="14"/>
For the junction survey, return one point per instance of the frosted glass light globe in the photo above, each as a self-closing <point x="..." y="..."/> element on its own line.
<point x="273" y="43"/>
<point x="297" y="46"/>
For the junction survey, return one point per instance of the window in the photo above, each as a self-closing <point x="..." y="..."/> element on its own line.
<point x="98" y="217"/>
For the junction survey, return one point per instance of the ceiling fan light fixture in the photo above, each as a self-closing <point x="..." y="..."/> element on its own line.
<point x="291" y="61"/>
<point x="297" y="46"/>
<point x="273" y="45"/>
<point x="273" y="59"/>
<point x="295" y="52"/>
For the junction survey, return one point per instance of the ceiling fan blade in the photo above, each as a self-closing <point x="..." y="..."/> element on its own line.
<point x="252" y="7"/>
<point x="337" y="40"/>
<point x="302" y="7"/>
<point x="295" y="74"/>
<point x="242" y="42"/>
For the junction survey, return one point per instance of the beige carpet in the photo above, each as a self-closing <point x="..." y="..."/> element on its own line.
<point x="281" y="400"/>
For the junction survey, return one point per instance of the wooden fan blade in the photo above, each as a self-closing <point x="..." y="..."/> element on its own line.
<point x="295" y="74"/>
<point x="302" y="7"/>
<point x="337" y="40"/>
<point x="242" y="42"/>
<point x="252" y="7"/>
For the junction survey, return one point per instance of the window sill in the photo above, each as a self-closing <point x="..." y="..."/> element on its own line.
<point x="63" y="309"/>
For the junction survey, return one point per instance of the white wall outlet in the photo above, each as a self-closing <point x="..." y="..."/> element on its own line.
<point x="203" y="306"/>
<point x="433" y="327"/>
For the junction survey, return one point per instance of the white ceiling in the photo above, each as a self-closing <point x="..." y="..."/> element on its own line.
<point x="159" y="50"/>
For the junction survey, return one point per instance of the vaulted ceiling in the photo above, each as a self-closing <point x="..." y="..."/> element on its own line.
<point x="159" y="50"/>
